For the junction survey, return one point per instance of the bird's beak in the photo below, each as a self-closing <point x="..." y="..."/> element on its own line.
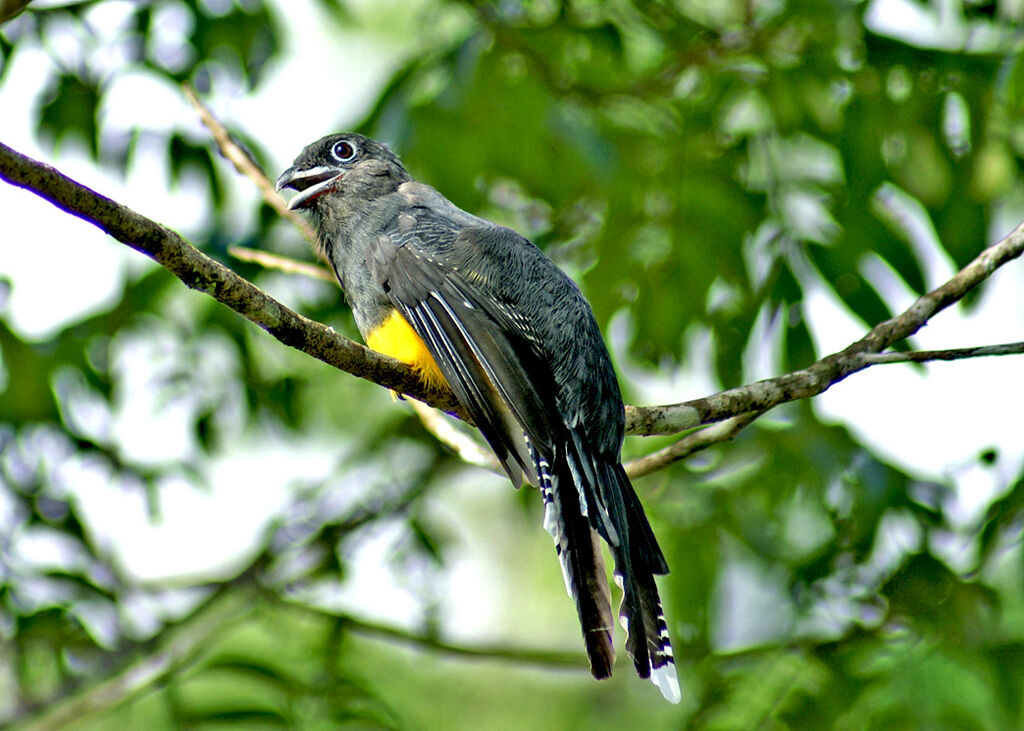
<point x="310" y="182"/>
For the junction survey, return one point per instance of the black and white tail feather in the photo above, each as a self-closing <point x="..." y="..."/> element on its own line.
<point x="641" y="614"/>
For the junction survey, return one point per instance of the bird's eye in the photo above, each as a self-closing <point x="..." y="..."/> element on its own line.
<point x="344" y="151"/>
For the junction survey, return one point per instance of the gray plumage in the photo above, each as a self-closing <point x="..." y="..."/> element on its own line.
<point x="518" y="345"/>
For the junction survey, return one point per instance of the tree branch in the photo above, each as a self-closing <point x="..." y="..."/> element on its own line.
<point x="200" y="272"/>
<point x="819" y="377"/>
<point x="473" y="453"/>
<point x="9" y="9"/>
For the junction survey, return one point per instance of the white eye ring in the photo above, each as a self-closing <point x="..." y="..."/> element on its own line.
<point x="344" y="151"/>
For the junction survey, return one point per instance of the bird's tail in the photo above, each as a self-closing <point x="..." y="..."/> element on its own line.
<point x="586" y="581"/>
<point x="637" y="559"/>
<point x="571" y="507"/>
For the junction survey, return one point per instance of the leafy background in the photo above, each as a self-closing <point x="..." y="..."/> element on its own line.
<point x="704" y="170"/>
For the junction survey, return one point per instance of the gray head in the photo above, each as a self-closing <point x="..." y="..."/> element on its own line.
<point x="347" y="166"/>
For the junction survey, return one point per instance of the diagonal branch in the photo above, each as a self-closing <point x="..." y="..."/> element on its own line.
<point x="460" y="445"/>
<point x="200" y="272"/>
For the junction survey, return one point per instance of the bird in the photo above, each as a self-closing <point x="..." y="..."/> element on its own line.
<point x="479" y="310"/>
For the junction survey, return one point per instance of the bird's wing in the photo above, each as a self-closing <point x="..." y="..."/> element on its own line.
<point x="440" y="272"/>
<point x="488" y="355"/>
<point x="483" y="351"/>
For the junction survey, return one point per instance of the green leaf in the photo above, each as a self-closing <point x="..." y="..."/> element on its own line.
<point x="69" y="110"/>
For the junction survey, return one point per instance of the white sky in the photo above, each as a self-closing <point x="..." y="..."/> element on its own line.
<point x="931" y="423"/>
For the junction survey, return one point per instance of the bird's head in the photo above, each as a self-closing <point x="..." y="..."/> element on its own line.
<point x="343" y="164"/>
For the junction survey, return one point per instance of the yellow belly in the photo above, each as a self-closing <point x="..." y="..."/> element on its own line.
<point x="395" y="337"/>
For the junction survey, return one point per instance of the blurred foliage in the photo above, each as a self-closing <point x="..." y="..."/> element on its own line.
<point x="697" y="164"/>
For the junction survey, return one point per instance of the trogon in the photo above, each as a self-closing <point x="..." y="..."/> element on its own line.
<point x="478" y="309"/>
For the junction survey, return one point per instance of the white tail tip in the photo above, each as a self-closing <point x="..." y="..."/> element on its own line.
<point x="667" y="681"/>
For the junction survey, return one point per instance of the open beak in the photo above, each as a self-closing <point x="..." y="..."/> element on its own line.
<point x="310" y="182"/>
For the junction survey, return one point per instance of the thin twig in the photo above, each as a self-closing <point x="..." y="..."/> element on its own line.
<point x="496" y="652"/>
<point x="244" y="164"/>
<point x="695" y="442"/>
<point x="501" y="653"/>
<point x="924" y="356"/>
<point x="282" y="263"/>
<point x="468" y="449"/>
